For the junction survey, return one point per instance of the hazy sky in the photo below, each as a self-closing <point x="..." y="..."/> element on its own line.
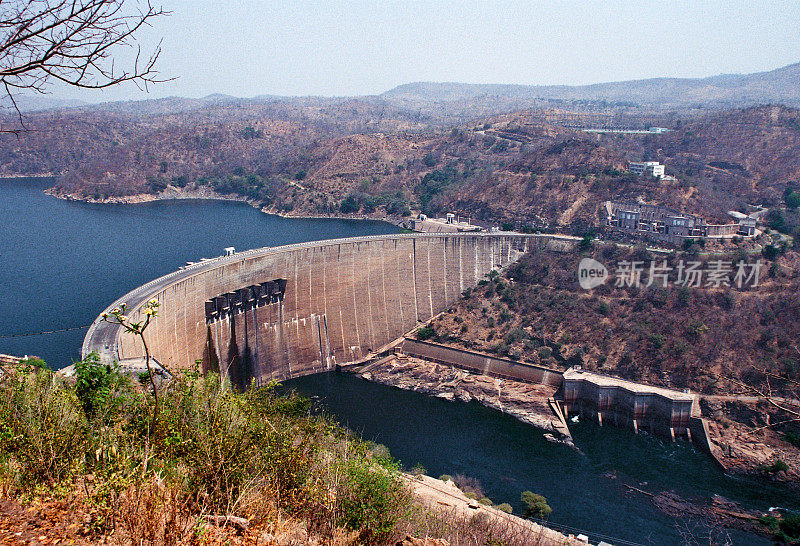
<point x="367" y="47"/>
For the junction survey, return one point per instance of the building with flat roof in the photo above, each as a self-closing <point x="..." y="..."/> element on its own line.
<point x="670" y="226"/>
<point x="648" y="168"/>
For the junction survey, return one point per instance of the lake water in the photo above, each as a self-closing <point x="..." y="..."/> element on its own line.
<point x="64" y="262"/>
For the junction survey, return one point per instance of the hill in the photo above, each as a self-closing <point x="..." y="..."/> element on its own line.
<point x="361" y="157"/>
<point x="724" y="91"/>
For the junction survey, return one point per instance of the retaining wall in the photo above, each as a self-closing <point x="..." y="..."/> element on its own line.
<point x="484" y="364"/>
<point x="628" y="404"/>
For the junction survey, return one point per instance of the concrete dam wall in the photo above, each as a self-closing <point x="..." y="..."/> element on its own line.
<point x="284" y="312"/>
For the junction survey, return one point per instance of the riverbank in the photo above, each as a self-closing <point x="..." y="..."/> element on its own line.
<point x="447" y="499"/>
<point x="525" y="401"/>
<point x="736" y="448"/>
<point x="748" y="450"/>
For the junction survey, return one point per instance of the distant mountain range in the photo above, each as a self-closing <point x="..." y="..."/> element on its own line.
<point x="449" y="103"/>
<point x="32" y="103"/>
<point x="723" y="91"/>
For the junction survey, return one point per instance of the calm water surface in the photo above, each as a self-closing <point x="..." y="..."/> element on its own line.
<point x="64" y="262"/>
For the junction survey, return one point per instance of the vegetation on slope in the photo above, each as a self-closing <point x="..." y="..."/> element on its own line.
<point x="80" y="461"/>
<point x="360" y="157"/>
<point x="739" y="346"/>
<point x="674" y="336"/>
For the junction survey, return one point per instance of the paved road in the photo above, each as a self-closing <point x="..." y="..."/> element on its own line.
<point x="748" y="398"/>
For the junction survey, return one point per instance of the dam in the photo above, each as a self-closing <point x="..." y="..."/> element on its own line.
<point x="285" y="312"/>
<point x="273" y="314"/>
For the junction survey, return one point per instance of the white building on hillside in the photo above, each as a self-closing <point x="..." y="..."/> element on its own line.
<point x="651" y="168"/>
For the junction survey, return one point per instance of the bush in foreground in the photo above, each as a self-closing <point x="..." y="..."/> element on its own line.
<point x="213" y="451"/>
<point x="89" y="446"/>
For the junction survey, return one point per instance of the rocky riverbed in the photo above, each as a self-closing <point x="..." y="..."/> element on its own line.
<point x="527" y="402"/>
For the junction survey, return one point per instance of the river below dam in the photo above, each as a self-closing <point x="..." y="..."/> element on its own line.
<point x="63" y="262"/>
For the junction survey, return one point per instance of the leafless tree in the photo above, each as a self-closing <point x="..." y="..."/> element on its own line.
<point x="74" y="42"/>
<point x="785" y="399"/>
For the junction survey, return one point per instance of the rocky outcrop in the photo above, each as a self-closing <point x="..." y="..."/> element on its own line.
<point x="527" y="402"/>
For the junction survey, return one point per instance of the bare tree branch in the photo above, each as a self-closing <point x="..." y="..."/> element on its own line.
<point x="74" y="42"/>
<point x="783" y="404"/>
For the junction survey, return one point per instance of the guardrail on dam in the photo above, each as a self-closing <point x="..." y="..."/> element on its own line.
<point x="284" y="312"/>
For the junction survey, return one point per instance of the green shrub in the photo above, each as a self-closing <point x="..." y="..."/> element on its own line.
<point x="793" y="438"/>
<point x="418" y="470"/>
<point x="425" y="333"/>
<point x="486" y="501"/>
<point x="371" y="499"/>
<point x="657" y="341"/>
<point x="545" y="352"/>
<point x="776" y="466"/>
<point x="41" y="424"/>
<point x="790" y="528"/>
<point x="515" y="334"/>
<point x="381" y="452"/>
<point x="446" y="478"/>
<point x="96" y="385"/>
<point x="349" y="205"/>
<point x="33" y="362"/>
<point x="785" y="530"/>
<point x="535" y="505"/>
<point x="223" y="441"/>
<point x="505" y="507"/>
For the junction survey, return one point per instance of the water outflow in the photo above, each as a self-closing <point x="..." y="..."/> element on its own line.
<point x="587" y="488"/>
<point x="250" y="323"/>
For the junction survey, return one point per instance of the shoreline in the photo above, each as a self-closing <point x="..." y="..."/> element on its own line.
<point x="41" y="176"/>
<point x="204" y="193"/>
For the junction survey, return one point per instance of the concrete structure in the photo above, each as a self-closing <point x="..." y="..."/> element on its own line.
<point x="480" y="363"/>
<point x="11" y="360"/>
<point x="450" y="224"/>
<point x="670" y="226"/>
<point x="284" y="312"/>
<point x="603" y="398"/>
<point x="648" y="168"/>
<point x="597" y="120"/>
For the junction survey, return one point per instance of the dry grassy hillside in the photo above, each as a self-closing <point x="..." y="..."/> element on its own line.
<point x="672" y="336"/>
<point x="366" y="158"/>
